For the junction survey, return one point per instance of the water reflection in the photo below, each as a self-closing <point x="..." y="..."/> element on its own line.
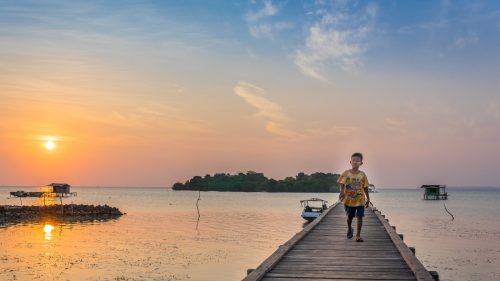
<point x="47" y="230"/>
<point x="47" y="201"/>
<point x="157" y="241"/>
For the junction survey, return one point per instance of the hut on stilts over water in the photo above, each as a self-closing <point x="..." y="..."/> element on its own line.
<point x="58" y="190"/>
<point x="435" y="192"/>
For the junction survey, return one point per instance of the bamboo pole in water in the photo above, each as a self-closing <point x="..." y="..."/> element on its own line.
<point x="197" y="208"/>
<point x="446" y="209"/>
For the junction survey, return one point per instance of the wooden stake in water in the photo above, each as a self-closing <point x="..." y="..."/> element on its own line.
<point x="198" y="209"/>
<point x="62" y="207"/>
<point x="452" y="216"/>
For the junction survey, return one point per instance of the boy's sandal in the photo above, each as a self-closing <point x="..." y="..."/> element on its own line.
<point x="359" y="239"/>
<point x="350" y="233"/>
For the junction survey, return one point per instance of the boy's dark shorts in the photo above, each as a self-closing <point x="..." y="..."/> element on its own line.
<point x="358" y="211"/>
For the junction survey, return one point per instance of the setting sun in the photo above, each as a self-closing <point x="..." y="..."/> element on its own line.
<point x="50" y="145"/>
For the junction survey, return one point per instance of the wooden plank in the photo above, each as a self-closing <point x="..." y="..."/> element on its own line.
<point x="338" y="240"/>
<point x="321" y="251"/>
<point x="342" y="253"/>
<point x="345" y="274"/>
<point x="370" y="268"/>
<point x="339" y="273"/>
<point x="333" y="239"/>
<point x="264" y="267"/>
<point x="374" y="249"/>
<point x="373" y="278"/>
<point x="351" y="247"/>
<point x="345" y="249"/>
<point x="344" y="241"/>
<point x="336" y="278"/>
<point x="342" y="236"/>
<point x="345" y="254"/>
<point x="346" y="260"/>
<point x="343" y="230"/>
<point x="351" y="259"/>
<point x="415" y="265"/>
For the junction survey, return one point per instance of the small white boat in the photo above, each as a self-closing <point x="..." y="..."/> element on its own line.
<point x="313" y="208"/>
<point x="371" y="188"/>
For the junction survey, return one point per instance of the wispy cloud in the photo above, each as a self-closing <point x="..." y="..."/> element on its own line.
<point x="395" y="125"/>
<point x="463" y="41"/>
<point x="267" y="11"/>
<point x="260" y="25"/>
<point x="277" y="119"/>
<point x="393" y="122"/>
<point x="253" y="95"/>
<point x="336" y="38"/>
<point x="266" y="30"/>
<point x="271" y="112"/>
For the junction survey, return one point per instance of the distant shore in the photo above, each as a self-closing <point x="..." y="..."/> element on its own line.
<point x="257" y="182"/>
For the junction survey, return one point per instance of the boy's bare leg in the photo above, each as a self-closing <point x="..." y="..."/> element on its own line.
<point x="349" y="222"/>
<point x="349" y="227"/>
<point x="360" y="224"/>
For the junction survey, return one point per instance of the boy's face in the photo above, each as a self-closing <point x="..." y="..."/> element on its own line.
<point x="356" y="162"/>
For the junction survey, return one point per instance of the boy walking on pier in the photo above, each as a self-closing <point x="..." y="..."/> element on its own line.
<point x="353" y="189"/>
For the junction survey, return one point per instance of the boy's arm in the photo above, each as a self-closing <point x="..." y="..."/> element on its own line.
<point x="367" y="193"/>
<point x="342" y="192"/>
<point x="341" y="182"/>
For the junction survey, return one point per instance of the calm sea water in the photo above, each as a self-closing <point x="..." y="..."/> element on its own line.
<point x="161" y="237"/>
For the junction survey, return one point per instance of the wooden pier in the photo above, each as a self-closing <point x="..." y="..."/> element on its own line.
<point x="321" y="251"/>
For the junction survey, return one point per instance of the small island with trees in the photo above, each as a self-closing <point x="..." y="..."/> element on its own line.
<point x="257" y="182"/>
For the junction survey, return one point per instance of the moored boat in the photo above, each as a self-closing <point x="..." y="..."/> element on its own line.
<point x="313" y="208"/>
<point x="372" y="189"/>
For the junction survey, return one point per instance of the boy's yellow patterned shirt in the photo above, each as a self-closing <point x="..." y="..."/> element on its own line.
<point x="354" y="185"/>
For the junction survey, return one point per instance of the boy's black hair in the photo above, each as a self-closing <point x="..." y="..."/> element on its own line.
<point x="357" y="154"/>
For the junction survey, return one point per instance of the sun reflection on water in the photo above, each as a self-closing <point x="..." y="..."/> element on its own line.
<point x="47" y="230"/>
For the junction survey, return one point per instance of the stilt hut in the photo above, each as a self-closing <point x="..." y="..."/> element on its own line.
<point x="435" y="192"/>
<point x="62" y="188"/>
<point x="59" y="190"/>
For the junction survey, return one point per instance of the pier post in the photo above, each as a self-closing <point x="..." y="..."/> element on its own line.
<point x="434" y="275"/>
<point x="62" y="206"/>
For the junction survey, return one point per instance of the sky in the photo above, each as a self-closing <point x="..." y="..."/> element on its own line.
<point x="148" y="93"/>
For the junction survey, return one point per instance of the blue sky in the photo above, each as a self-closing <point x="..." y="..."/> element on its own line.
<point x="303" y="83"/>
<point x="428" y="35"/>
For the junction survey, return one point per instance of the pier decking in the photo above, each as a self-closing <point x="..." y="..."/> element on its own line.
<point x="321" y="251"/>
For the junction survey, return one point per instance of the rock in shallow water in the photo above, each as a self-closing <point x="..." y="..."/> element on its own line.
<point x="19" y="214"/>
